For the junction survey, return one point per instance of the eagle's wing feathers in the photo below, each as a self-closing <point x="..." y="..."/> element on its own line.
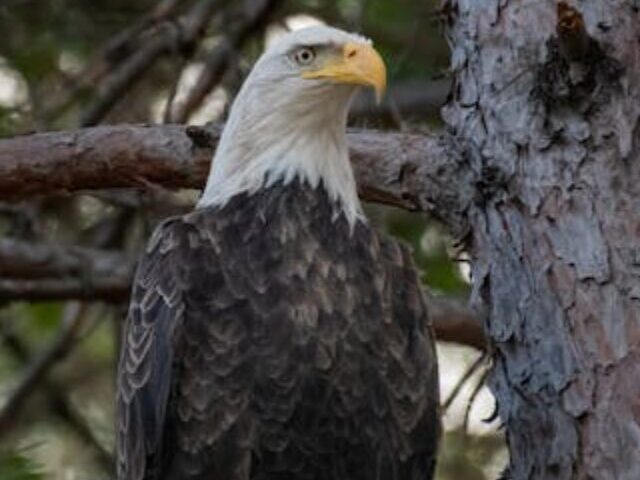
<point x="414" y="384"/>
<point x="144" y="382"/>
<point x="182" y="382"/>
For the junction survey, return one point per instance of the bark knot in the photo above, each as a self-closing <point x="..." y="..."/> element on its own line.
<point x="576" y="70"/>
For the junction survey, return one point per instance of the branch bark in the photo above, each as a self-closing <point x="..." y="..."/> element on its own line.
<point x="425" y="173"/>
<point x="25" y="260"/>
<point x="553" y="116"/>
<point x="455" y="321"/>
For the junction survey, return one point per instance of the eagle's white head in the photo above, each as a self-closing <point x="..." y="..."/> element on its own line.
<point x="289" y="119"/>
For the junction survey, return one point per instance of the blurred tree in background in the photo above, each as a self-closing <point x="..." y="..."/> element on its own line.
<point x="71" y="63"/>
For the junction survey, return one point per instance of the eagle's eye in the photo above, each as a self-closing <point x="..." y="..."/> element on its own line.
<point x="304" y="56"/>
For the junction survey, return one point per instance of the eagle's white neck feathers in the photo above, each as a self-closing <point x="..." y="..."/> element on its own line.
<point x="282" y="128"/>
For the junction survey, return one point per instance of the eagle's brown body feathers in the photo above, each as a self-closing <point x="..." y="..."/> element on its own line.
<point x="266" y="340"/>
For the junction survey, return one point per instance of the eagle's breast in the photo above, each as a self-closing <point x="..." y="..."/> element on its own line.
<point x="302" y="344"/>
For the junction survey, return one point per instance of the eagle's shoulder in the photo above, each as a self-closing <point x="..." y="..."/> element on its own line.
<point x="399" y="258"/>
<point x="174" y="296"/>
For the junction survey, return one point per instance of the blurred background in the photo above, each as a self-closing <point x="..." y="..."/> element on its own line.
<point x="66" y="64"/>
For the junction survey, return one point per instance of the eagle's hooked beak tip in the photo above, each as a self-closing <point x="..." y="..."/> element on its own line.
<point x="360" y="64"/>
<point x="368" y="66"/>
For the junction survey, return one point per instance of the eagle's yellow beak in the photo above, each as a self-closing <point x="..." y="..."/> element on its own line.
<point x="360" y="64"/>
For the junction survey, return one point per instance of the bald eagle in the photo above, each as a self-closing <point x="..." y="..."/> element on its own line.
<point x="273" y="334"/>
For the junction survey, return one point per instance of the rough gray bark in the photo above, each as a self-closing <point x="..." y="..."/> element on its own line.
<point x="552" y="120"/>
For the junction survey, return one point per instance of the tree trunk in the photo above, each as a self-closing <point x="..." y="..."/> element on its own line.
<point x="547" y="99"/>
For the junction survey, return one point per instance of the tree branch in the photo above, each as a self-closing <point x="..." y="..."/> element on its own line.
<point x="454" y="321"/>
<point x="254" y="18"/>
<point x="25" y="260"/>
<point x="63" y="273"/>
<point x="426" y="172"/>
<point x="168" y="37"/>
<point x="114" y="51"/>
<point x="126" y="41"/>
<point x="50" y="289"/>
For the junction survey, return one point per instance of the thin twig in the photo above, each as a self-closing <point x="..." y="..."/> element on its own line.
<point x="115" y="50"/>
<point x="114" y="87"/>
<point x="472" y="398"/>
<point x="463" y="380"/>
<point x="124" y="43"/>
<point x="58" y="402"/>
<point x="166" y="117"/>
<point x="30" y="260"/>
<point x="97" y="289"/>
<point x="61" y="346"/>
<point x="180" y="35"/>
<point x="255" y="18"/>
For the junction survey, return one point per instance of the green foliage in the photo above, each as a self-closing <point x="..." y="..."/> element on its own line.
<point x="35" y="322"/>
<point x="468" y="457"/>
<point x="18" y="465"/>
<point x="100" y="345"/>
<point x="438" y="270"/>
<point x="36" y="58"/>
<point x="43" y="316"/>
<point x="8" y="124"/>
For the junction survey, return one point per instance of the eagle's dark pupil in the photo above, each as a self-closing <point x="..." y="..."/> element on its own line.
<point x="305" y="56"/>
